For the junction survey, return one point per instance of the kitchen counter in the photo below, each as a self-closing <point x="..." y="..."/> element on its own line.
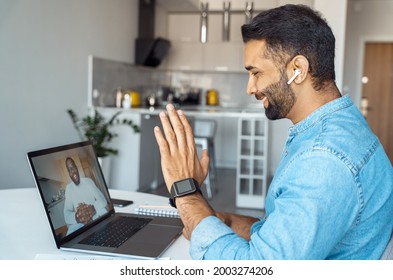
<point x="199" y="110"/>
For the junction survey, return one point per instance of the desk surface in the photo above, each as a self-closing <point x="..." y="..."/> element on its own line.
<point x="25" y="231"/>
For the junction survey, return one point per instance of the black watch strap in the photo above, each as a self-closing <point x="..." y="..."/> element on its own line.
<point x="172" y="200"/>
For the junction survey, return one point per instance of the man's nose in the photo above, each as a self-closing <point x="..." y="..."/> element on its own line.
<point x="251" y="86"/>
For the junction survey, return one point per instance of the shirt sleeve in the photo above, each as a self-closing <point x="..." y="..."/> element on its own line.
<point x="201" y="242"/>
<point x="69" y="212"/>
<point x="312" y="211"/>
<point x="100" y="201"/>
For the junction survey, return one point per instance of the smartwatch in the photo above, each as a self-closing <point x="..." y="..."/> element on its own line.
<point x="182" y="188"/>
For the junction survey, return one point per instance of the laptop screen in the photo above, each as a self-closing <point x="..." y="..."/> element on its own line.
<point x="71" y="186"/>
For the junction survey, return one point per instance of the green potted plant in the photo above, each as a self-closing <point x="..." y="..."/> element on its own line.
<point x="97" y="129"/>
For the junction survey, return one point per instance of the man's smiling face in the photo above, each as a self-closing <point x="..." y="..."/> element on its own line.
<point x="267" y="82"/>
<point x="73" y="171"/>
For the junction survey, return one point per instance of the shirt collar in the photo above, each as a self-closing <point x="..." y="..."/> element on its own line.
<point x="320" y="113"/>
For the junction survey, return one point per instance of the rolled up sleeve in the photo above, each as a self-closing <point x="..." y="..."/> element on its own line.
<point x="212" y="239"/>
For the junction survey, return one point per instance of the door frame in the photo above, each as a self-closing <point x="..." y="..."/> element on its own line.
<point x="362" y="47"/>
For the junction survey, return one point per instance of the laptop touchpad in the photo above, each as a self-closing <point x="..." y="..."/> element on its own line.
<point x="152" y="239"/>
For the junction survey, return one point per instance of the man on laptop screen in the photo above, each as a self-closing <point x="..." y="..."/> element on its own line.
<point x="84" y="202"/>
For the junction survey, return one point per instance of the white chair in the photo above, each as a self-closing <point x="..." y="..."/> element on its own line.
<point x="388" y="253"/>
<point x="204" y="132"/>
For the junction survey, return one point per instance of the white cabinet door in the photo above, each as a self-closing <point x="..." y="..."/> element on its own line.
<point x="184" y="27"/>
<point x="218" y="5"/>
<point x="223" y="56"/>
<point x="185" y="56"/>
<point x="251" y="175"/>
<point x="188" y="53"/>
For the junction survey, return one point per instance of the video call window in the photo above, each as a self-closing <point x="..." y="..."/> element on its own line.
<point x="74" y="192"/>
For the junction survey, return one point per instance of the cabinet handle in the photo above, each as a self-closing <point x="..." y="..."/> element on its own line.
<point x="204" y="13"/>
<point x="226" y="21"/>
<point x="249" y="11"/>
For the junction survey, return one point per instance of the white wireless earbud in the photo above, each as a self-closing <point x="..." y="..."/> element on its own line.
<point x="297" y="72"/>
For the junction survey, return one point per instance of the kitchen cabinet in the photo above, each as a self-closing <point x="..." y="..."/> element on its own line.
<point x="185" y="56"/>
<point x="251" y="171"/>
<point x="239" y="5"/>
<point x="217" y="5"/>
<point x="183" y="27"/>
<point x="150" y="174"/>
<point x="223" y="56"/>
<point x="184" y="31"/>
<point x="188" y="53"/>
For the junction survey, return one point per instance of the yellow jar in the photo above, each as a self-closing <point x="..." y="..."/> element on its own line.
<point x="135" y="100"/>
<point x="212" y="97"/>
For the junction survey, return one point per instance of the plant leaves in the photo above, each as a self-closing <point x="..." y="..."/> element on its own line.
<point x="97" y="129"/>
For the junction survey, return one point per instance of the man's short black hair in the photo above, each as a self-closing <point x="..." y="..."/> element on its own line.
<point x="292" y="30"/>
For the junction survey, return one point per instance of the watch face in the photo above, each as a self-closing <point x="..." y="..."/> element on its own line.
<point x="184" y="187"/>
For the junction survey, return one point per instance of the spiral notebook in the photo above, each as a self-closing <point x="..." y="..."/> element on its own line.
<point x="157" y="210"/>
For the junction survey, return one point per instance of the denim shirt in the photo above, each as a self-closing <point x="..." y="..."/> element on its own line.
<point x="331" y="196"/>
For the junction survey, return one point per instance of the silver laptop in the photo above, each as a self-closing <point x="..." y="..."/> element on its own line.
<point x="80" y="212"/>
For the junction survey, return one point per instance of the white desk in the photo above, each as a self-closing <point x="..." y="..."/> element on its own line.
<point x="25" y="231"/>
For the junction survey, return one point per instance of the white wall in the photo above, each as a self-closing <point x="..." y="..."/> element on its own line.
<point x="44" y="45"/>
<point x="368" y="20"/>
<point x="335" y="12"/>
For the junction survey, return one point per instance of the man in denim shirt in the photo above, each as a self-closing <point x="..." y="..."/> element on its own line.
<point x="332" y="194"/>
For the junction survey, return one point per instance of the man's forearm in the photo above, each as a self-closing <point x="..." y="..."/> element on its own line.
<point x="193" y="209"/>
<point x="240" y="224"/>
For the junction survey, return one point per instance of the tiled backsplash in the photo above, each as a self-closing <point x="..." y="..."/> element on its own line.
<point x="107" y="75"/>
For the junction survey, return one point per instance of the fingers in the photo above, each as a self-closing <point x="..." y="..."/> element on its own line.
<point x="162" y="143"/>
<point x="177" y="129"/>
<point x="176" y="142"/>
<point x="173" y="128"/>
<point x="204" y="161"/>
<point x="204" y="166"/>
<point x="189" y="137"/>
<point x="168" y="131"/>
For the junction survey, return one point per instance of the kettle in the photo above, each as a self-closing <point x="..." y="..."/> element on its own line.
<point x="152" y="101"/>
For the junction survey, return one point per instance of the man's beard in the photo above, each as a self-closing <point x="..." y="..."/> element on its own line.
<point x="76" y="179"/>
<point x="281" y="99"/>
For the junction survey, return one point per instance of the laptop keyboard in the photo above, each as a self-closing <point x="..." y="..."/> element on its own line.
<point x="116" y="232"/>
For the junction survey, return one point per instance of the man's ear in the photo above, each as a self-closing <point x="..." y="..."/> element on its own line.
<point x="298" y="69"/>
